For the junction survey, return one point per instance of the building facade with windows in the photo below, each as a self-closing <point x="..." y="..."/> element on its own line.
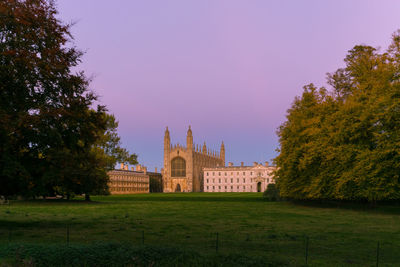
<point x="183" y="166"/>
<point x="125" y="181"/>
<point x="238" y="178"/>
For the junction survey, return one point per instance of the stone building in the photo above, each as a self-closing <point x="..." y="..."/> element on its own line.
<point x="183" y="166"/>
<point x="125" y="181"/>
<point x="238" y="178"/>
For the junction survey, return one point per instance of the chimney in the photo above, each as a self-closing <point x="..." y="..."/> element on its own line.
<point x="144" y="170"/>
<point x="155" y="169"/>
<point x="266" y="164"/>
<point x="133" y="169"/>
<point x="255" y="164"/>
<point x="138" y="168"/>
<point x="122" y="166"/>
<point x="126" y="167"/>
<point x="230" y="164"/>
<point x="241" y="164"/>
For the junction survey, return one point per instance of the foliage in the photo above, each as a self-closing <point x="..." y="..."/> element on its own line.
<point x="344" y="143"/>
<point x="51" y="139"/>
<point x="271" y="193"/>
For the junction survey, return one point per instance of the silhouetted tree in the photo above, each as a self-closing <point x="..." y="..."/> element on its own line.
<point x="51" y="140"/>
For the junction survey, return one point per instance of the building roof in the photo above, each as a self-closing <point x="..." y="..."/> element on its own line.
<point x="236" y="167"/>
<point x="127" y="172"/>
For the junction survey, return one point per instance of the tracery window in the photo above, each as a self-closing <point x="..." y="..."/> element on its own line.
<point x="178" y="167"/>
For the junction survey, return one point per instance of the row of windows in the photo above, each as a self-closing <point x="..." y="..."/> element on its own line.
<point x="128" y="189"/>
<point x="127" y="183"/>
<point x="237" y="173"/>
<point x="226" y="180"/>
<point x="128" y="178"/>
<point x="226" y="187"/>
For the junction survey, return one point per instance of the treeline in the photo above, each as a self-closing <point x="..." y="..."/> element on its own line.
<point x="344" y="143"/>
<point x="54" y="140"/>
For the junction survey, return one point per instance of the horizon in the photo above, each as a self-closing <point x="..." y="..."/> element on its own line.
<point x="229" y="69"/>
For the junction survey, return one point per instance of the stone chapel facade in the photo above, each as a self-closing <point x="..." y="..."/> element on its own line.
<point x="183" y="166"/>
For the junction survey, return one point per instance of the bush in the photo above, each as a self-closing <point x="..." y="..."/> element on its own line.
<point x="271" y="193"/>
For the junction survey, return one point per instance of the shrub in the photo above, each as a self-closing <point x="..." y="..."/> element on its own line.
<point x="271" y="193"/>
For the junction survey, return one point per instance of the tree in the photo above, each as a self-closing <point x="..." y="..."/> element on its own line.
<point x="51" y="139"/>
<point x="345" y="143"/>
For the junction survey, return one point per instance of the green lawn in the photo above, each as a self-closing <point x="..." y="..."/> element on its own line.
<point x="246" y="225"/>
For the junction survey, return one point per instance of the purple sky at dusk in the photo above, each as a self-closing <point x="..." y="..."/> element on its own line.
<point x="228" y="68"/>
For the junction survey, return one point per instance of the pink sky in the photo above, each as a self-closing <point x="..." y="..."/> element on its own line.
<point x="228" y="68"/>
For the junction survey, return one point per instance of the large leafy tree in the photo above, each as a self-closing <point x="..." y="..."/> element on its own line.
<point x="345" y="143"/>
<point x="50" y="137"/>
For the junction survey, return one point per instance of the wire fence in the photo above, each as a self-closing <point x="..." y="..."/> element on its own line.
<point x="294" y="248"/>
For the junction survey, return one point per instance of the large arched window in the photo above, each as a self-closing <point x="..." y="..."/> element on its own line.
<point x="178" y="167"/>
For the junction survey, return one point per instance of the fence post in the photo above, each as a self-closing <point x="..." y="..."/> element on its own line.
<point x="377" y="255"/>
<point x="216" y="244"/>
<point x="67" y="234"/>
<point x="306" y="250"/>
<point x="143" y="237"/>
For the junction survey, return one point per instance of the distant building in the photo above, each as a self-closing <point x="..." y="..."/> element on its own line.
<point x="238" y="178"/>
<point x="183" y="166"/>
<point x="125" y="181"/>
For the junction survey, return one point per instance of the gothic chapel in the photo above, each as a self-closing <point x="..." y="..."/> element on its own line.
<point x="183" y="166"/>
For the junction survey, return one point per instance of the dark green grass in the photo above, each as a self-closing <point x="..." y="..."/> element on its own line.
<point x="246" y="225"/>
<point x="120" y="254"/>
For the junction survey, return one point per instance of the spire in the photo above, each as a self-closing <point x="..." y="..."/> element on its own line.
<point x="167" y="140"/>
<point x="166" y="134"/>
<point x="189" y="139"/>
<point x="167" y="148"/>
<point x="222" y="153"/>
<point x="204" y="148"/>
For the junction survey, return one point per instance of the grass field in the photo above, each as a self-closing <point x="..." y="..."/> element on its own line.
<point x="245" y="223"/>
